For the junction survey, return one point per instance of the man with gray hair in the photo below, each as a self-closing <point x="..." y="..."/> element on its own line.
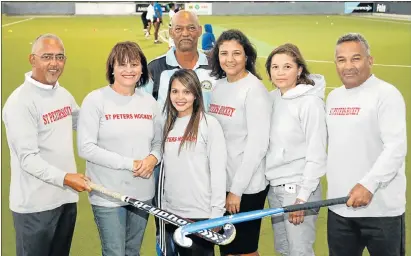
<point x="39" y="117"/>
<point x="367" y="146"/>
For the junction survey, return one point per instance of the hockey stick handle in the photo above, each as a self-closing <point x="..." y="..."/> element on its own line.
<point x="104" y="191"/>
<point x="257" y="214"/>
<point x="317" y="204"/>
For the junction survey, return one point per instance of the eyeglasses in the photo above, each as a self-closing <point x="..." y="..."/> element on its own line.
<point x="50" y="57"/>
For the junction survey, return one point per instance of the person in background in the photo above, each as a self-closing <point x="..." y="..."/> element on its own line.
<point x="296" y="157"/>
<point x="119" y="136"/>
<point x="149" y="18"/>
<point x="171" y="13"/>
<point x="185" y="31"/>
<point x="194" y="155"/>
<point x="241" y="103"/>
<point x="145" y="22"/>
<point x="39" y="117"/>
<point x="367" y="145"/>
<point x="208" y="40"/>
<point x="157" y="21"/>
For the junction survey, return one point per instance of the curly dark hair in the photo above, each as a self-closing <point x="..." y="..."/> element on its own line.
<point x="292" y="51"/>
<point x="249" y="50"/>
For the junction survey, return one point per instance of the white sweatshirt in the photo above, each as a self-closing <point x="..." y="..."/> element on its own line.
<point x="243" y="109"/>
<point x="298" y="137"/>
<point x="150" y="12"/>
<point x="113" y="131"/>
<point x="195" y="180"/>
<point x="367" y="145"/>
<point x="39" y="121"/>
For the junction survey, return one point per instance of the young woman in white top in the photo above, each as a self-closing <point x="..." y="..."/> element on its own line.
<point x="195" y="159"/>
<point x="241" y="104"/>
<point x="296" y="157"/>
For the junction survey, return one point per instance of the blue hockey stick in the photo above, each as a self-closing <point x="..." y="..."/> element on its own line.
<point x="181" y="232"/>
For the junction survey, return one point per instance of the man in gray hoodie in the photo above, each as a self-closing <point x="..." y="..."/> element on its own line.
<point x="39" y="117"/>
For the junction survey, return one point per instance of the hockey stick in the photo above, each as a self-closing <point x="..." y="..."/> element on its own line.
<point x="181" y="232"/>
<point x="209" y="235"/>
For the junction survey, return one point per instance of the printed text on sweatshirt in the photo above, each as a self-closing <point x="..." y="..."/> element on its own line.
<point x="195" y="179"/>
<point x="243" y="109"/>
<point x="41" y="151"/>
<point x="368" y="148"/>
<point x="114" y="130"/>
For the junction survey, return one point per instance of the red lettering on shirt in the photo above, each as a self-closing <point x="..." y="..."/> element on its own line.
<point x="56" y="115"/>
<point x="221" y="110"/>
<point x="128" y="116"/>
<point x="179" y="139"/>
<point x="344" y="111"/>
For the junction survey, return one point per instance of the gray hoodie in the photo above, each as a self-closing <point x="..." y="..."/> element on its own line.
<point x="298" y="136"/>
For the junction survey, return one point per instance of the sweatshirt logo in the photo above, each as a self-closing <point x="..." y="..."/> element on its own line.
<point x="221" y="110"/>
<point x="344" y="111"/>
<point x="180" y="138"/>
<point x="128" y="116"/>
<point x="56" y="115"/>
<point x="206" y="85"/>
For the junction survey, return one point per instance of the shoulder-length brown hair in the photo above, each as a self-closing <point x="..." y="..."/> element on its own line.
<point x="127" y="52"/>
<point x="292" y="51"/>
<point x="190" y="80"/>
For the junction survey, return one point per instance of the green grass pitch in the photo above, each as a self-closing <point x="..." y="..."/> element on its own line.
<point x="88" y="41"/>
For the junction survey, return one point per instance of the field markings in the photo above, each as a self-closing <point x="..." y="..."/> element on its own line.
<point x="19" y="21"/>
<point x="376" y="19"/>
<point x="161" y="37"/>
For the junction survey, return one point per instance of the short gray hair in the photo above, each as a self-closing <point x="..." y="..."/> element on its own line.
<point x="39" y="39"/>
<point x="354" y="37"/>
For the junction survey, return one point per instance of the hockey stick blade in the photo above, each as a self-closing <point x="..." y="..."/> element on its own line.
<point x="209" y="235"/>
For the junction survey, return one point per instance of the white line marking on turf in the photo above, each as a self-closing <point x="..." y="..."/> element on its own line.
<point x="328" y="61"/>
<point x="12" y="23"/>
<point x="161" y="37"/>
<point x="378" y="20"/>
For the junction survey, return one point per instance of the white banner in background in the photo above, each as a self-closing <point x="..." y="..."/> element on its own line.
<point x="105" y="8"/>
<point x="199" y="8"/>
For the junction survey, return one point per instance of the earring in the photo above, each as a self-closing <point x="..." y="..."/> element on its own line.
<point x="112" y="73"/>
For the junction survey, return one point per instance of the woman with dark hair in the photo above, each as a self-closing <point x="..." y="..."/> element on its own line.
<point x="296" y="157"/>
<point x="241" y="104"/>
<point x="119" y="136"/>
<point x="195" y="159"/>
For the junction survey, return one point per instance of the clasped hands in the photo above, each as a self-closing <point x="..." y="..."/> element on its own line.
<point x="144" y="168"/>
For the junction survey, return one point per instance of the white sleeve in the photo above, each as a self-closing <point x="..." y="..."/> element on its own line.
<point x="87" y="133"/>
<point x="313" y="124"/>
<point x="22" y="135"/>
<point x="75" y="112"/>
<point x="393" y="133"/>
<point x="258" y="114"/>
<point x="217" y="155"/>
<point x="158" y="133"/>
